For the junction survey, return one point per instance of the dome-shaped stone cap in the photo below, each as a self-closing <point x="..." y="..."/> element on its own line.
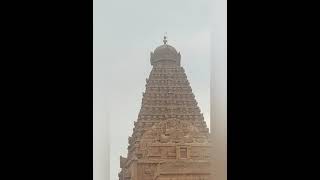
<point x="164" y="49"/>
<point x="165" y="52"/>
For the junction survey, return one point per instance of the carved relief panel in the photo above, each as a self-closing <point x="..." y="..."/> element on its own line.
<point x="174" y="131"/>
<point x="147" y="171"/>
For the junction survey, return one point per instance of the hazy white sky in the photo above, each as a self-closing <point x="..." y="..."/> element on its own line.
<point x="125" y="32"/>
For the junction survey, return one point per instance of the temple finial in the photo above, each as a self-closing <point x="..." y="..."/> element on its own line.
<point x="165" y="39"/>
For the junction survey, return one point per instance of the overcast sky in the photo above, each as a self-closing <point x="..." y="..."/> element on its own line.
<point x="125" y="32"/>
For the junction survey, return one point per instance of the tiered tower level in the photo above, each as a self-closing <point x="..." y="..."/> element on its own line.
<point x="170" y="139"/>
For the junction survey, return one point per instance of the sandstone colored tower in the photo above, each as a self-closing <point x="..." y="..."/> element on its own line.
<point x="170" y="139"/>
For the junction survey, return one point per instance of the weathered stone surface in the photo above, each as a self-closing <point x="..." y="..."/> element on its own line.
<point x="170" y="139"/>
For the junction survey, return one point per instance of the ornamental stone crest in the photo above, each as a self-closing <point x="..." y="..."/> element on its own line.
<point x="174" y="131"/>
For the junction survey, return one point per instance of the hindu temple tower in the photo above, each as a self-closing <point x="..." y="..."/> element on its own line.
<point x="170" y="139"/>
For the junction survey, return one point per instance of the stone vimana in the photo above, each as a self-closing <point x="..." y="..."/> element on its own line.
<point x="170" y="139"/>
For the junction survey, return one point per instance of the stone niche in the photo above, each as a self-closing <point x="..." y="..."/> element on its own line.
<point x="147" y="171"/>
<point x="160" y="151"/>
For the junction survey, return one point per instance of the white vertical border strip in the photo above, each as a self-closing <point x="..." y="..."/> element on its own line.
<point x="101" y="144"/>
<point x="218" y="86"/>
<point x="101" y="121"/>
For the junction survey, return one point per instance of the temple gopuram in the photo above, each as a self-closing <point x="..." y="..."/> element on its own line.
<point x="170" y="139"/>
